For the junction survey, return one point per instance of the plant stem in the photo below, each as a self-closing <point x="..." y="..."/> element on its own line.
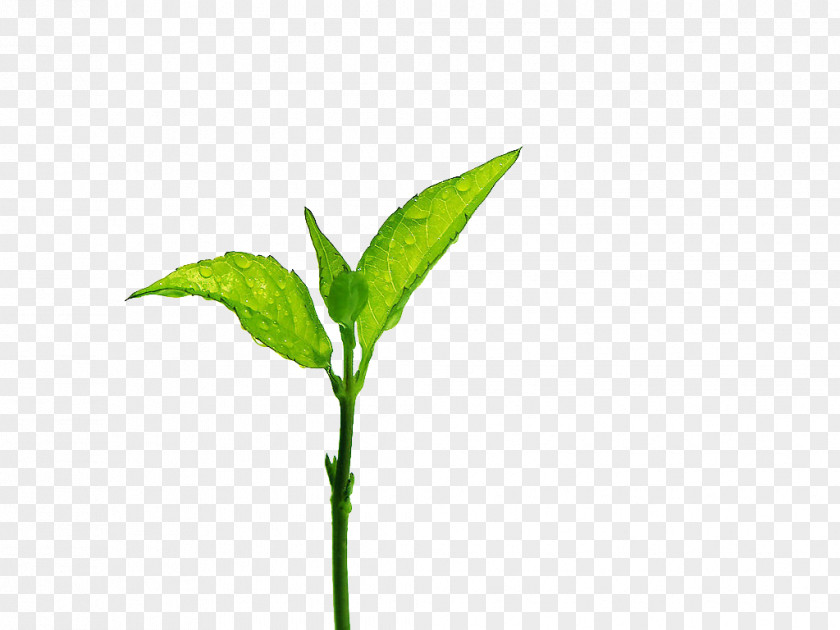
<point x="341" y="489"/>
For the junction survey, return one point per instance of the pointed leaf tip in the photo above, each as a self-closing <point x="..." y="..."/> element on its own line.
<point x="137" y="294"/>
<point x="331" y="263"/>
<point x="414" y="238"/>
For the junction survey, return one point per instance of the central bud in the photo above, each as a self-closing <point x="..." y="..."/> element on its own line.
<point x="348" y="296"/>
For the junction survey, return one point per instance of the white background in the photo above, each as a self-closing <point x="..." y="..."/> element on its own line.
<point x="613" y="404"/>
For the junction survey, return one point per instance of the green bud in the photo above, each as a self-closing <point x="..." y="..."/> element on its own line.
<point x="348" y="296"/>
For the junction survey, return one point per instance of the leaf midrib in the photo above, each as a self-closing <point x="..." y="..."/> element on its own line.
<point x="416" y="273"/>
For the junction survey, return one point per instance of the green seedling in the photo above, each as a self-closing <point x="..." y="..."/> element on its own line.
<point x="276" y="309"/>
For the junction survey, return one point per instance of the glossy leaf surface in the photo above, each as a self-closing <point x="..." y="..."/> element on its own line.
<point x="414" y="238"/>
<point x="331" y="263"/>
<point x="272" y="304"/>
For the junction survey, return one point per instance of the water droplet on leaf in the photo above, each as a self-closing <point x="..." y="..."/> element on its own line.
<point x="446" y="193"/>
<point x="409" y="239"/>
<point x="396" y="248"/>
<point x="241" y="261"/>
<point x="204" y="269"/>
<point x="464" y="183"/>
<point x="417" y="211"/>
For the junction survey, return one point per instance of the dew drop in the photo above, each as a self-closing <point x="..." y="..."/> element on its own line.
<point x="446" y="193"/>
<point x="409" y="239"/>
<point x="282" y="282"/>
<point x="204" y="269"/>
<point x="241" y="261"/>
<point x="464" y="183"/>
<point x="417" y="211"/>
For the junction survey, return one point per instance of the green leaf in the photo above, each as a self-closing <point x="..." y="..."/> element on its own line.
<point x="331" y="263"/>
<point x="347" y="298"/>
<point x="272" y="304"/>
<point x="330" y="464"/>
<point x="414" y="238"/>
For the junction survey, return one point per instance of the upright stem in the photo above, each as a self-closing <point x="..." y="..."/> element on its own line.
<point x="341" y="489"/>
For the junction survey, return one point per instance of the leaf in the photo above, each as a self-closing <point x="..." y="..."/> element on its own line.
<point x="330" y="464"/>
<point x="414" y="238"/>
<point x="330" y="262"/>
<point x="272" y="304"/>
<point x="347" y="298"/>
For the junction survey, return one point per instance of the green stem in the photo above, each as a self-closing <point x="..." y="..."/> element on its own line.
<point x="342" y="486"/>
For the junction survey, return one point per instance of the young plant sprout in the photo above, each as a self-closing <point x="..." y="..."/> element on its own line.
<point x="276" y="308"/>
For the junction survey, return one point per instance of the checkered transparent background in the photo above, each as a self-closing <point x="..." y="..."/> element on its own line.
<point x="613" y="404"/>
